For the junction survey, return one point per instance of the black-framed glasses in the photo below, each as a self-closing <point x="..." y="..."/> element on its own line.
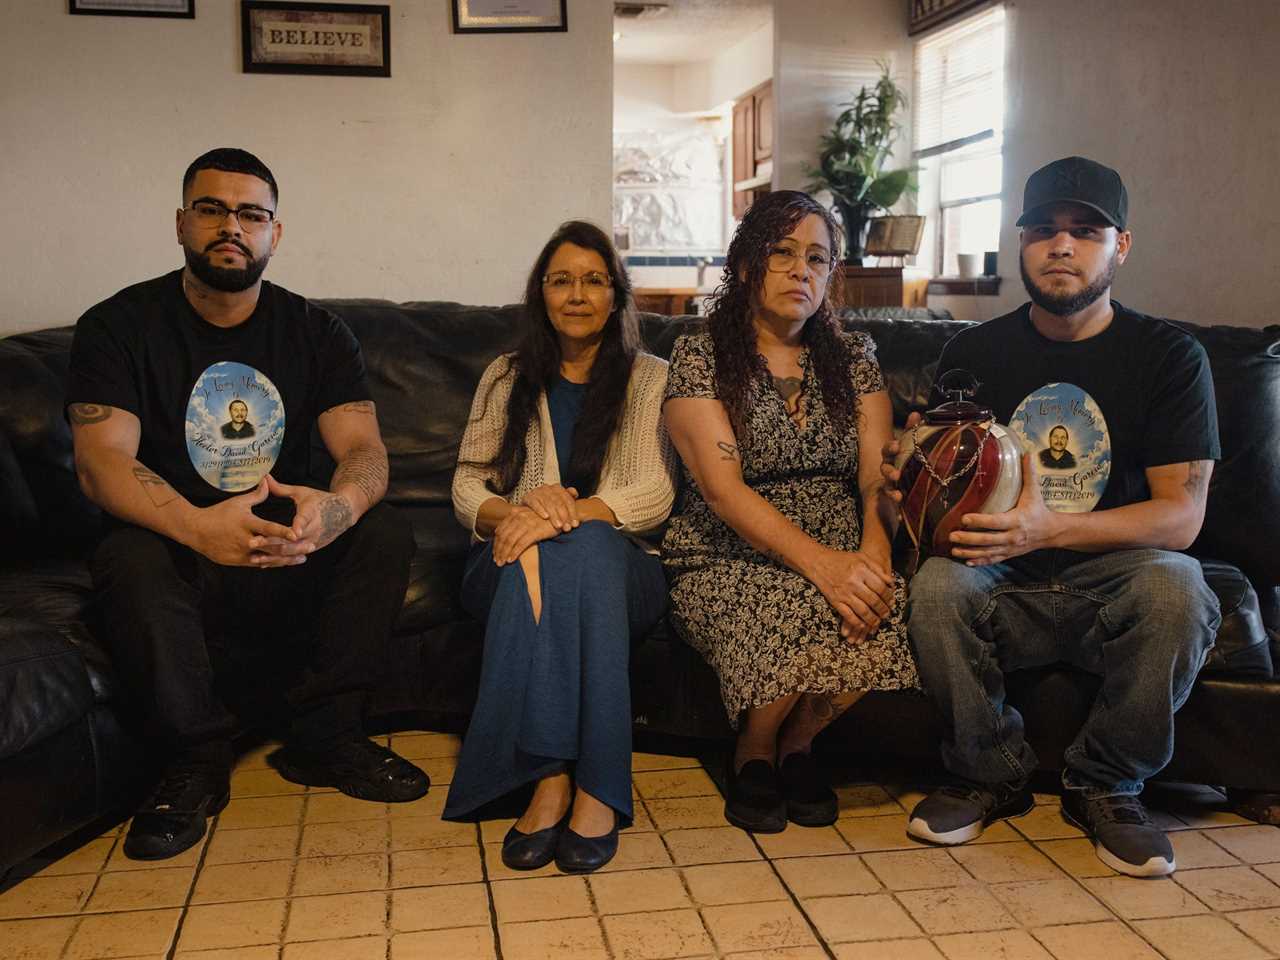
<point x="781" y="260"/>
<point x="563" y="281"/>
<point x="210" y="213"/>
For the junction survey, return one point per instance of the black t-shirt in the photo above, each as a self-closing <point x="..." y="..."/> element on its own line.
<point x="147" y="351"/>
<point x="1137" y="395"/>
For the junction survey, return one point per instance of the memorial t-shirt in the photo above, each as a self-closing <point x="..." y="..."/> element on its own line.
<point x="219" y="407"/>
<point x="1139" y="394"/>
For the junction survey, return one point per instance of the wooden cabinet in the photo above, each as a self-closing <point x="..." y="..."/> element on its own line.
<point x="762" y="103"/>
<point x="752" y="147"/>
<point x="882" y="287"/>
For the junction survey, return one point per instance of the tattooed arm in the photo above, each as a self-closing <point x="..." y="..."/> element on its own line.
<point x="701" y="432"/>
<point x="106" y="456"/>
<point x="1170" y="520"/>
<point x="350" y="434"/>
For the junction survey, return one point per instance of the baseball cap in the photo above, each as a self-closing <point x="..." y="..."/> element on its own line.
<point x="1077" y="180"/>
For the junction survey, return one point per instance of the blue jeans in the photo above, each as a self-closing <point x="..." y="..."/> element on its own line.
<point x="1142" y="620"/>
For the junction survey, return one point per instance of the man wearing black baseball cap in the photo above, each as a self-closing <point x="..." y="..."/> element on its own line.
<point x="1085" y="569"/>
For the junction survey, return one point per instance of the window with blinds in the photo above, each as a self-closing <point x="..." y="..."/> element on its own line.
<point x="958" y="137"/>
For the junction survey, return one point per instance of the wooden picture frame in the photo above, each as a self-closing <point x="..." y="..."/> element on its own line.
<point x="177" y="9"/>
<point x="894" y="236"/>
<point x="510" y="16"/>
<point x="335" y="39"/>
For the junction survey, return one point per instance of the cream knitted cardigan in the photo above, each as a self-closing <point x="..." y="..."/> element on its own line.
<point x="637" y="480"/>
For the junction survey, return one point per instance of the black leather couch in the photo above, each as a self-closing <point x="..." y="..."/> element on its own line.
<point x="68" y="759"/>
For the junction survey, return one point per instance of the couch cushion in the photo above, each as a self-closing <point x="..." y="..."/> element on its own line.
<point x="424" y="361"/>
<point x="1242" y="648"/>
<point x="44" y="687"/>
<point x="435" y="573"/>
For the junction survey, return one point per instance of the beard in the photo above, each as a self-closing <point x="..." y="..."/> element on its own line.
<point x="1065" y="304"/>
<point x="226" y="279"/>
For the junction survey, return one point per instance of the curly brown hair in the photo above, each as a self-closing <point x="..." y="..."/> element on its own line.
<point x="733" y="335"/>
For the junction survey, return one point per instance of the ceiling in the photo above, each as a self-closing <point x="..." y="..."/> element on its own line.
<point x="689" y="30"/>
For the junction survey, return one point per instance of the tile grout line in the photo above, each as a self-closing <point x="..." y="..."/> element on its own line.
<point x="488" y="890"/>
<point x="813" y="927"/>
<point x="205" y="841"/>
<point x="116" y="841"/>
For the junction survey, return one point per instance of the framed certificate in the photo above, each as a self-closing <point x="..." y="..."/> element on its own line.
<point x="135" y="8"/>
<point x="510" y="16"/>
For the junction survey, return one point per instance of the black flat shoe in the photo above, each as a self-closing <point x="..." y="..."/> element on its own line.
<point x="175" y="816"/>
<point x="810" y="800"/>
<point x="578" y="854"/>
<point x="529" y="851"/>
<point x="754" y="802"/>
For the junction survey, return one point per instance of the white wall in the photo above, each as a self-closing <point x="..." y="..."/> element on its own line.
<point x="643" y="95"/>
<point x="1180" y="97"/>
<point x="825" y="51"/>
<point x="440" y="182"/>
<point x="707" y="84"/>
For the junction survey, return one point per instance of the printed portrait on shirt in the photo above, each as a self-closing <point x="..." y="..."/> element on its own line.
<point x="235" y="426"/>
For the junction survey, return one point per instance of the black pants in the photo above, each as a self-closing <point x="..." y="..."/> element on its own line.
<point x="190" y="638"/>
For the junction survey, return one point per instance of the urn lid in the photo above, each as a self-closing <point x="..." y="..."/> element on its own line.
<point x="959" y="387"/>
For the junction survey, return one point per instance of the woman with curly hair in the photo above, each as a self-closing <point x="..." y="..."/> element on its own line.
<point x="564" y="465"/>
<point x="778" y="558"/>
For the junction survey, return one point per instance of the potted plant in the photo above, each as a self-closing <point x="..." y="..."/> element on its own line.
<point x="854" y="154"/>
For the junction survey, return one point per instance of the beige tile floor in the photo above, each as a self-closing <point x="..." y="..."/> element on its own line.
<point x="293" y="874"/>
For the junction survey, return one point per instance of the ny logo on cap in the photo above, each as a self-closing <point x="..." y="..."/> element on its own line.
<point x="1068" y="179"/>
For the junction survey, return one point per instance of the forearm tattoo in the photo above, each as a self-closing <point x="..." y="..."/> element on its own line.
<point x="83" y="413"/>
<point x="155" y="486"/>
<point x="335" y="517"/>
<point x="366" y="469"/>
<point x="727" y="450"/>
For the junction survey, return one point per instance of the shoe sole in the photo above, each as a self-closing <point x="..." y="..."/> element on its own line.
<point x="214" y="809"/>
<point x="919" y="829"/>
<point x="820" y="818"/>
<point x="308" y="777"/>
<point x="774" y="824"/>
<point x="1155" y="867"/>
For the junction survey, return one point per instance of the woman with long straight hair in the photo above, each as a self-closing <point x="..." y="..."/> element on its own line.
<point x="565" y="465"/>
<point x="779" y="555"/>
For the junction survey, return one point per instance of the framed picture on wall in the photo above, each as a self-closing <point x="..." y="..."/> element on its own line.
<point x="344" y="39"/>
<point x="135" y="8"/>
<point x="510" y="16"/>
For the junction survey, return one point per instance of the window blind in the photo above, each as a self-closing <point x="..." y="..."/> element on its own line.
<point x="959" y="82"/>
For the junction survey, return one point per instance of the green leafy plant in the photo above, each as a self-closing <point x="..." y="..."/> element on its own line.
<point x="854" y="153"/>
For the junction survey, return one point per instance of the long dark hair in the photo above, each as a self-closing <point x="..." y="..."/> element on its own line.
<point x="733" y="335"/>
<point x="537" y="363"/>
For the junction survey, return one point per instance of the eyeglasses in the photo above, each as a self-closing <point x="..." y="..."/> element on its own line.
<point x="209" y="213"/>
<point x="781" y="260"/>
<point x="593" y="283"/>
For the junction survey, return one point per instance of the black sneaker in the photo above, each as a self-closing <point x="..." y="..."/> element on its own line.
<point x="810" y="800"/>
<point x="175" y="816"/>
<point x="957" y="813"/>
<point x="357" y="766"/>
<point x="1123" y="835"/>
<point x="754" y="802"/>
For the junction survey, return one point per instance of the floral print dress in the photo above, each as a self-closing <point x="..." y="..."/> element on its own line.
<point x="766" y="630"/>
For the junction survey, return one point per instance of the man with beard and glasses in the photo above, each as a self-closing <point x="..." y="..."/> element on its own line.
<point x="223" y="569"/>
<point x="1085" y="569"/>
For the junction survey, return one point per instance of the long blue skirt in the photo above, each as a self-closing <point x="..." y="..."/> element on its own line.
<point x="555" y="693"/>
